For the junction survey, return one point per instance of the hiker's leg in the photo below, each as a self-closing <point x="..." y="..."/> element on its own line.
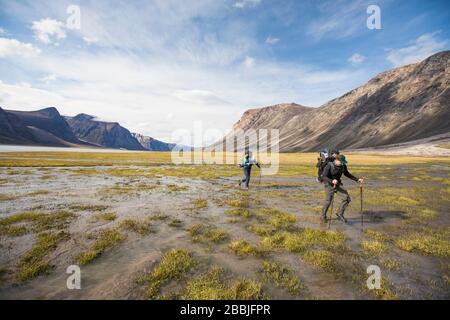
<point x="328" y="199"/>
<point x="345" y="200"/>
<point x="247" y="176"/>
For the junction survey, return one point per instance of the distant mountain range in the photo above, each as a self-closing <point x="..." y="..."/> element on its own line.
<point x="399" y="105"/>
<point x="47" y="127"/>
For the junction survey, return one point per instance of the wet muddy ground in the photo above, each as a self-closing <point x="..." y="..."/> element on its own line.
<point x="175" y="232"/>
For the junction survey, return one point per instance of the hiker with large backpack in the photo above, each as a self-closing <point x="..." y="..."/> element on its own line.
<point x="247" y="165"/>
<point x="335" y="167"/>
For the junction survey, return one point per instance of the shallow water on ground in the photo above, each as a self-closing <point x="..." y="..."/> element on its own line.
<point x="113" y="274"/>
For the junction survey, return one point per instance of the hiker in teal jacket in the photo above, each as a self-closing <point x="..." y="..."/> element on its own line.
<point x="247" y="165"/>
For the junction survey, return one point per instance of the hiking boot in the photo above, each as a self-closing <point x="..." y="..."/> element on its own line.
<point x="342" y="218"/>
<point x="240" y="183"/>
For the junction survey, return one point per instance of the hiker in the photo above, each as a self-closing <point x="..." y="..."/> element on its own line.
<point x="247" y="165"/>
<point x="331" y="176"/>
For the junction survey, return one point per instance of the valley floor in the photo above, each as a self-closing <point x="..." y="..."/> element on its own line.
<point x="142" y="228"/>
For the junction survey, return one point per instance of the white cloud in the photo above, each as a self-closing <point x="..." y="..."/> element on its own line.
<point x="2" y="31"/>
<point x="170" y="66"/>
<point x="421" y="48"/>
<point x="203" y="97"/>
<point x="89" y="40"/>
<point x="49" y="78"/>
<point x="25" y="97"/>
<point x="271" y="40"/>
<point x="249" y="62"/>
<point x="339" y="19"/>
<point x="13" y="47"/>
<point x="356" y="58"/>
<point x="246" y="3"/>
<point x="47" y="29"/>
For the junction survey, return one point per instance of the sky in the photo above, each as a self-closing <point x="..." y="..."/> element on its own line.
<point x="156" y="66"/>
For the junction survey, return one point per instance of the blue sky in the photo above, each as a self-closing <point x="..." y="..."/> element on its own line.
<point x="156" y="66"/>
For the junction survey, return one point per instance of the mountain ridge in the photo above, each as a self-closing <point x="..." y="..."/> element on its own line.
<point x="398" y="105"/>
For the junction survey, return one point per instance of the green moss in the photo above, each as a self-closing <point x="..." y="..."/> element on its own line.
<point x="206" y="287"/>
<point x="240" y="212"/>
<point x="391" y="264"/>
<point x="56" y="220"/>
<point x="377" y="235"/>
<point x="38" y="193"/>
<point x="206" y="234"/>
<point x="238" y="203"/>
<point x="245" y="289"/>
<point x="175" y="223"/>
<point x="104" y="241"/>
<point x="158" y="216"/>
<point x="14" y="231"/>
<point x="106" y="216"/>
<point x="434" y="242"/>
<point x="374" y="248"/>
<point x="280" y="220"/>
<point x="322" y="259"/>
<point x="214" y="286"/>
<point x="216" y="235"/>
<point x="87" y="207"/>
<point x="244" y="248"/>
<point x="304" y="239"/>
<point x="7" y="197"/>
<point x="142" y="227"/>
<point x="261" y="230"/>
<point x="36" y="260"/>
<point x="173" y="265"/>
<point x="176" y="188"/>
<point x="40" y="221"/>
<point x="200" y="203"/>
<point x="282" y="276"/>
<point x="385" y="292"/>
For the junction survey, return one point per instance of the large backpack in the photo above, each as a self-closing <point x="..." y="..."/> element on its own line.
<point x="322" y="162"/>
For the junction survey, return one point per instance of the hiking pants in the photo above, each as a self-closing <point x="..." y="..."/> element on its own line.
<point x="247" y="172"/>
<point x="341" y="193"/>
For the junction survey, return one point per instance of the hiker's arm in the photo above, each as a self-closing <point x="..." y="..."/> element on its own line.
<point x="325" y="172"/>
<point x="349" y="175"/>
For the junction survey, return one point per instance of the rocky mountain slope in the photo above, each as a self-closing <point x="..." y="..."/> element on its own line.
<point x="43" y="127"/>
<point x="152" y="144"/>
<point x="101" y="133"/>
<point x="399" y="105"/>
<point x="46" y="127"/>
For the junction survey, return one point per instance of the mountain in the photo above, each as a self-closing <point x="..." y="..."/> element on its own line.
<point x="43" y="127"/>
<point x="13" y="130"/>
<point x="101" y="133"/>
<point x="49" y="120"/>
<point x="396" y="106"/>
<point x="47" y="127"/>
<point x="152" y="144"/>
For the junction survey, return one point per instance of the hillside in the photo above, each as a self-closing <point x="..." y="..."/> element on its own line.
<point x="400" y="105"/>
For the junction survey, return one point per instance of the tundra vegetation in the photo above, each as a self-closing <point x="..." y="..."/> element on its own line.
<point x="189" y="232"/>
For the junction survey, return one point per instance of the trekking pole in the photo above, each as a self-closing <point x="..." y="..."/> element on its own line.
<point x="361" y="198"/>
<point x="332" y="202"/>
<point x="259" y="181"/>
